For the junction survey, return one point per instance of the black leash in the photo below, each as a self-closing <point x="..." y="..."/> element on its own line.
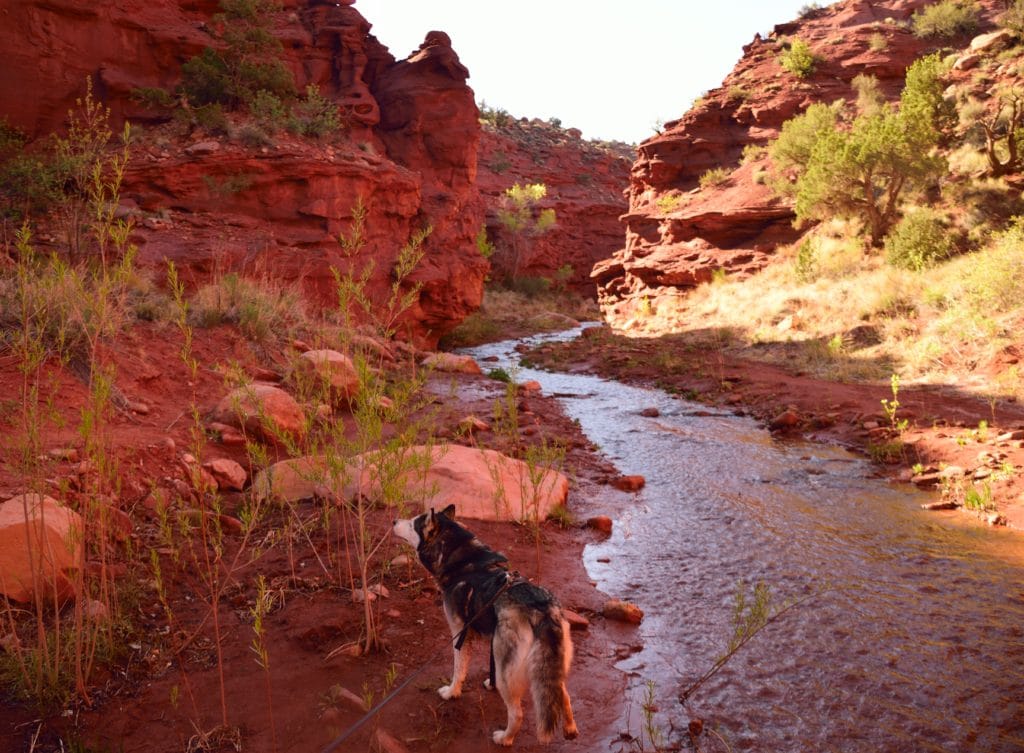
<point x="511" y="579"/>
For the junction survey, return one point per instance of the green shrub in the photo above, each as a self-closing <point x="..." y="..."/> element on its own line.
<point x="918" y="241"/>
<point x="211" y="118"/>
<point x="948" y="18"/>
<point x="805" y="265"/>
<point x="716" y="176"/>
<point x="205" y="79"/>
<point x="877" y="42"/>
<point x="996" y="281"/>
<point x="496" y="117"/>
<point x="153" y="97"/>
<point x="531" y="287"/>
<point x="753" y="152"/>
<point x="798" y="59"/>
<point x="268" y="110"/>
<point x="315" y="115"/>
<point x="29" y="183"/>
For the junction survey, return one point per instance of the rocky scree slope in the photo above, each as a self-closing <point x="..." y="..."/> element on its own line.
<point x="679" y="233"/>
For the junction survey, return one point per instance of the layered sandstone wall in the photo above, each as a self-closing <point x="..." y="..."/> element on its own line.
<point x="408" y="154"/>
<point x="678" y="234"/>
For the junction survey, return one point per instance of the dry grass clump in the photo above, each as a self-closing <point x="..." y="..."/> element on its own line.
<point x="260" y="306"/>
<point x="840" y="313"/>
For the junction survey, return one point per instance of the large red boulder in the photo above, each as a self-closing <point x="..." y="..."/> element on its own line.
<point x="40" y="546"/>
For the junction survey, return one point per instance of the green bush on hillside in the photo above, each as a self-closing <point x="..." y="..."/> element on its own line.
<point x="996" y="281"/>
<point x="798" y="59"/>
<point x="863" y="170"/>
<point x="918" y="241"/>
<point x="948" y="18"/>
<point x="1013" y="18"/>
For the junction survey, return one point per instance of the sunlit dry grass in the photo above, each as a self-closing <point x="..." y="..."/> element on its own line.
<point x="856" y="318"/>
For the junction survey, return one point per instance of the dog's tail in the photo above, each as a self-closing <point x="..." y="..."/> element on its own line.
<point x="550" y="660"/>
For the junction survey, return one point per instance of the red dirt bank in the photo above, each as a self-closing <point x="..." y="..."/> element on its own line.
<point x="167" y="693"/>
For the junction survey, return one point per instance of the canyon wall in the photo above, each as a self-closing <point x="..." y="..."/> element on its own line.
<point x="678" y="234"/>
<point x="408" y="153"/>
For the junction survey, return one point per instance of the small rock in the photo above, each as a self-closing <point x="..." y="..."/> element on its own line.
<point x="576" y="621"/>
<point x="360" y="595"/>
<point x="473" y="424"/>
<point x="966" y="62"/>
<point x="622" y="611"/>
<point x="629" y="483"/>
<point x="650" y="412"/>
<point x="169" y="444"/>
<point x="995" y="519"/>
<point x="952" y="471"/>
<point x="68" y="454"/>
<point x="944" y="504"/>
<point x="530" y="386"/>
<point x="96" y="610"/>
<point x="992" y="40"/>
<point x="402" y="560"/>
<point x="385" y="742"/>
<point x="451" y="362"/>
<point x="228" y="435"/>
<point x="600" y="523"/>
<point x="230" y="526"/>
<point x="785" y="420"/>
<point x="380" y="590"/>
<point x="202" y="147"/>
<point x="227" y="474"/>
<point x="348" y="698"/>
<point x="182" y="489"/>
<point x="870" y="425"/>
<point x="393" y="614"/>
<point x="1011" y="436"/>
<point x="695" y="727"/>
<point x="980" y="473"/>
<point x="137" y="407"/>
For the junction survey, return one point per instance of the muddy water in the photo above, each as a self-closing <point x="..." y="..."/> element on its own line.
<point x="913" y="640"/>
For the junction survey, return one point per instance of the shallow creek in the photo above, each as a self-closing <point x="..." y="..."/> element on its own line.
<point x="914" y="640"/>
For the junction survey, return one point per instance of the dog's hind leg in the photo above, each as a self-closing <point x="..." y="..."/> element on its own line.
<point x="512" y="677"/>
<point x="569" y="730"/>
<point x="461" y="663"/>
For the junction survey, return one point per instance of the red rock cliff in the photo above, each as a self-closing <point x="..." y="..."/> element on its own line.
<point x="678" y="234"/>
<point x="584" y="180"/>
<point x="409" y="153"/>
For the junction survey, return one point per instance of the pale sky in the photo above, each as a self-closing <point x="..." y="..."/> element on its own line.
<point x="611" y="68"/>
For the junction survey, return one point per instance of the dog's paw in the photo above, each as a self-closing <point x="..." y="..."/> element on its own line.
<point x="449" y="691"/>
<point x="501" y="738"/>
<point x="487" y="684"/>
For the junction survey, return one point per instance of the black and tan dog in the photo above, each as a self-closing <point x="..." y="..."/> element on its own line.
<point x="530" y="643"/>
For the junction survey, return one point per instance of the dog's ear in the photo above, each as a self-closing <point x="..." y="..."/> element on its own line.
<point x="449" y="512"/>
<point x="430" y="524"/>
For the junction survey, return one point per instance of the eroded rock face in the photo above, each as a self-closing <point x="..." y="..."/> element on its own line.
<point x="677" y="234"/>
<point x="585" y="182"/>
<point x="408" y="152"/>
